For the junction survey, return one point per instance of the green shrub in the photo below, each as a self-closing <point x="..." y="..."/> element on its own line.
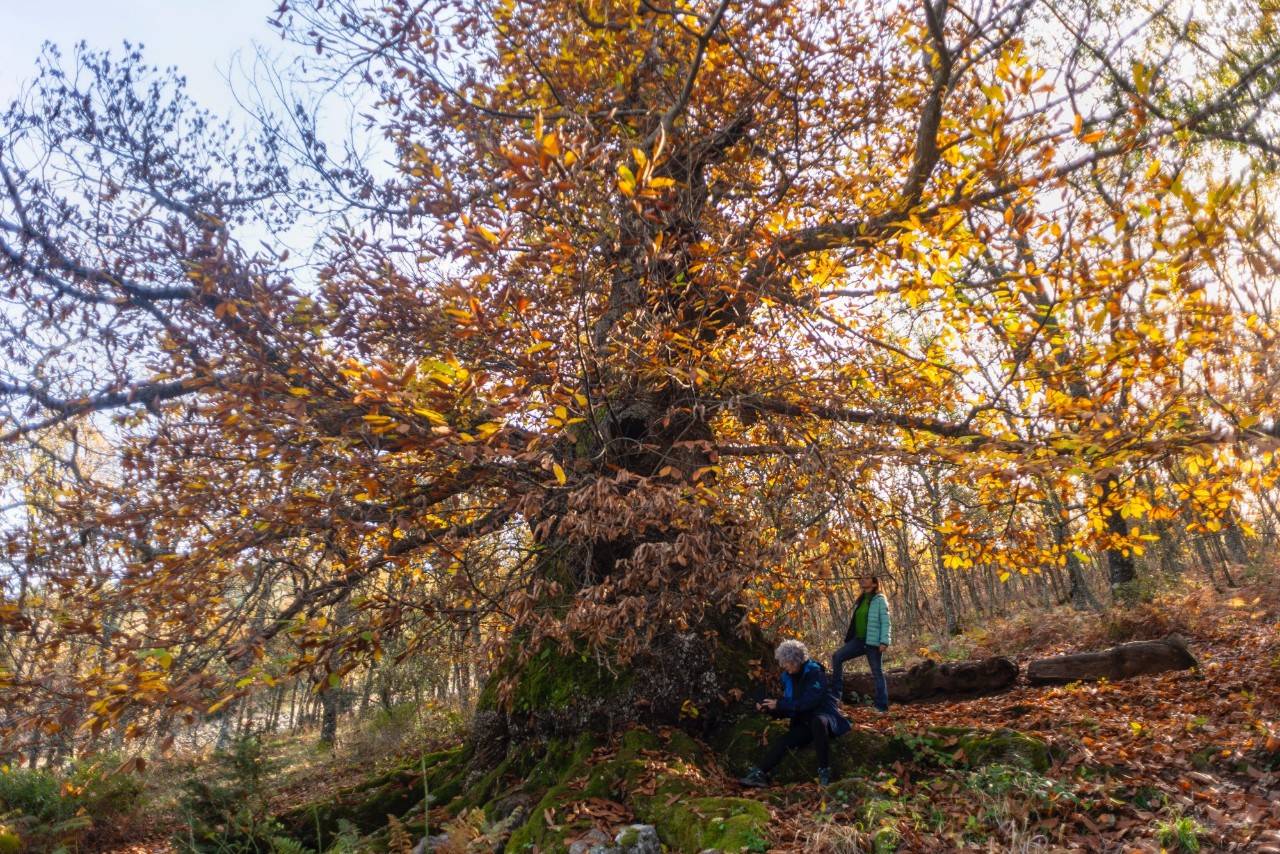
<point x="52" y="811"/>
<point x="226" y="808"/>
<point x="33" y="793"/>
<point x="106" y="795"/>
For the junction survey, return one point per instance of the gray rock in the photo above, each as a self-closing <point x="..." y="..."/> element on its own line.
<point x="431" y="843"/>
<point x="638" y="839"/>
<point x="592" y="842"/>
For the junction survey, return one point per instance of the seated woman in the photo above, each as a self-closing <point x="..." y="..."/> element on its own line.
<point x="807" y="700"/>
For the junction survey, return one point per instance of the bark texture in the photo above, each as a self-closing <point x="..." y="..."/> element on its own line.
<point x="931" y="679"/>
<point x="687" y="679"/>
<point x="1139" y="658"/>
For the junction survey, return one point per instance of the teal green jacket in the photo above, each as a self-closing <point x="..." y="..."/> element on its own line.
<point x="879" y="626"/>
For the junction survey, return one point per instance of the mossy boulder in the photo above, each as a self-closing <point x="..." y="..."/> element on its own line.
<point x="742" y="743"/>
<point x="976" y="748"/>
<point x="661" y="778"/>
<point x="693" y="824"/>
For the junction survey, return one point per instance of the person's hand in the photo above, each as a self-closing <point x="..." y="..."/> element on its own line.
<point x="883" y="647"/>
<point x="770" y="705"/>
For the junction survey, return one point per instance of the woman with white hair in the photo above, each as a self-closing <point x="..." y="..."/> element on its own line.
<point x="815" y="717"/>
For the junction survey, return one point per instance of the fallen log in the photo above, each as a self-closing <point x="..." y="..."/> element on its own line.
<point x="1139" y="658"/>
<point x="930" y="679"/>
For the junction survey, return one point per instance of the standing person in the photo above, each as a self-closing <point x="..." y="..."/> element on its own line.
<point x="807" y="700"/>
<point x="870" y="633"/>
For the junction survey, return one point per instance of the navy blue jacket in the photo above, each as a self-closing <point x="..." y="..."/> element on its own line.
<point x="808" y="693"/>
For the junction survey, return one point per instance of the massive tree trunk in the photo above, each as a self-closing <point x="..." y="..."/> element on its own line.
<point x="690" y="678"/>
<point x="617" y="565"/>
<point x="1120" y="662"/>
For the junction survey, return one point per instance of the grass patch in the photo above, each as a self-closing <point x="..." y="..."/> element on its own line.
<point x="1181" y="833"/>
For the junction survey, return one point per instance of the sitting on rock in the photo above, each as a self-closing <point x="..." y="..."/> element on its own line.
<point x="807" y="700"/>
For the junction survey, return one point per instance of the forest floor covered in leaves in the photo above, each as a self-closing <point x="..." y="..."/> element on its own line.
<point x="1180" y="761"/>
<point x="1172" y="761"/>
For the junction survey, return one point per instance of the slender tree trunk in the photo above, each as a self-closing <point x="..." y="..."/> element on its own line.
<point x="1233" y="539"/>
<point x="1082" y="597"/>
<point x="949" y="599"/>
<point x="972" y="583"/>
<point x="1271" y="513"/>
<point x="366" y="690"/>
<point x="330" y="704"/>
<point x="1207" y="562"/>
<point x="224" y="726"/>
<point x="1223" y="560"/>
<point x="1121" y="570"/>
<point x="273" y="718"/>
<point x="949" y="609"/>
<point x="295" y="710"/>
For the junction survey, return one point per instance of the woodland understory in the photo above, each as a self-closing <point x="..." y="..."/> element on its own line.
<point x="1167" y="762"/>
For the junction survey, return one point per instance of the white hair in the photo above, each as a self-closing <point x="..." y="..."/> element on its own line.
<point x="792" y="651"/>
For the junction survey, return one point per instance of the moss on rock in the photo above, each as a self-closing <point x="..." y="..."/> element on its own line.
<point x="562" y="775"/>
<point x="744" y="742"/>
<point x="684" y="820"/>
<point x="549" y="836"/>
<point x="976" y="748"/>
<point x="695" y="824"/>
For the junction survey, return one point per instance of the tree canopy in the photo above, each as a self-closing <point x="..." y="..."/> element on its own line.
<point x="623" y="319"/>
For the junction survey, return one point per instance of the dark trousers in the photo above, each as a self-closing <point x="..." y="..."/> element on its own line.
<point x="809" y="728"/>
<point x="853" y="649"/>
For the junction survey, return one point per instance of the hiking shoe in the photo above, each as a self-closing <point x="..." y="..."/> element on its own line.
<point x="824" y="776"/>
<point x="755" y="778"/>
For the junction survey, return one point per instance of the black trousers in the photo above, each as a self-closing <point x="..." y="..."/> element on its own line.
<point x="806" y="729"/>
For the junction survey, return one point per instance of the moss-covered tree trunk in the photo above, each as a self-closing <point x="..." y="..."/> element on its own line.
<point x="670" y="646"/>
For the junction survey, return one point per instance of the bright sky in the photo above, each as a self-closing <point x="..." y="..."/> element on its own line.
<point x="201" y="37"/>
